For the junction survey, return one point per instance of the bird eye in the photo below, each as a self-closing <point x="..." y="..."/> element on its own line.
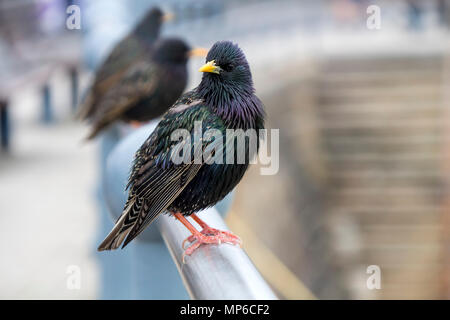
<point x="227" y="67"/>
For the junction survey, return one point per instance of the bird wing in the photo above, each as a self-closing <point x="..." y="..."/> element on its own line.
<point x="119" y="60"/>
<point x="157" y="198"/>
<point x="156" y="181"/>
<point x="139" y="82"/>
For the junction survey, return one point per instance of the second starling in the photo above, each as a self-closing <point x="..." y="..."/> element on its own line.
<point x="133" y="47"/>
<point x="148" y="88"/>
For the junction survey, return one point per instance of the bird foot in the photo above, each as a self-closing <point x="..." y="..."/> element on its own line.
<point x="225" y="236"/>
<point x="135" y="124"/>
<point x="209" y="236"/>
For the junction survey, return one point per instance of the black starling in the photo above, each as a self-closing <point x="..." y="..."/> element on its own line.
<point x="141" y="78"/>
<point x="148" y="88"/>
<point x="224" y="100"/>
<point x="134" y="46"/>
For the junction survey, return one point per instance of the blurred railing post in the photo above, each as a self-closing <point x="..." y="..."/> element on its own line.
<point x="4" y="125"/>
<point x="74" y="87"/>
<point x="47" y="112"/>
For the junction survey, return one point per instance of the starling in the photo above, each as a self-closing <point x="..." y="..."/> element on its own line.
<point x="223" y="100"/>
<point x="134" y="46"/>
<point x="148" y="88"/>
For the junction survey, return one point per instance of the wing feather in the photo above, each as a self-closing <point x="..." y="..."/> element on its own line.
<point x="155" y="182"/>
<point x="124" y="54"/>
<point x="162" y="197"/>
<point x="139" y="82"/>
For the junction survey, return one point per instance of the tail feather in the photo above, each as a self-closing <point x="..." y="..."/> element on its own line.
<point x="96" y="128"/>
<point x="114" y="239"/>
<point x="85" y="107"/>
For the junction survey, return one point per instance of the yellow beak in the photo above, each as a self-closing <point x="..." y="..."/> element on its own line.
<point x="210" y="67"/>
<point x="198" y="52"/>
<point x="168" y="17"/>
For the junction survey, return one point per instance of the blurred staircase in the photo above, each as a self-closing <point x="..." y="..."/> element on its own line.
<point x="382" y="124"/>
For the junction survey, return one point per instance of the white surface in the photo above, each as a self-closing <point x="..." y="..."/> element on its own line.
<point x="47" y="209"/>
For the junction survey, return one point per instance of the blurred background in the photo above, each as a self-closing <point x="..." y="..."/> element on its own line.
<point x="363" y="114"/>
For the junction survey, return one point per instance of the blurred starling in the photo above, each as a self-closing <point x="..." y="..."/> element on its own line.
<point x="224" y="100"/>
<point x="134" y="46"/>
<point x="140" y="79"/>
<point x="148" y="88"/>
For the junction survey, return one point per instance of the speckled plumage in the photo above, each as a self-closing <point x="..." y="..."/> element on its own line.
<point x="156" y="184"/>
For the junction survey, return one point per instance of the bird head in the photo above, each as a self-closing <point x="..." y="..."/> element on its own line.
<point x="175" y="51"/>
<point x="150" y="25"/>
<point x="156" y="14"/>
<point x="226" y="68"/>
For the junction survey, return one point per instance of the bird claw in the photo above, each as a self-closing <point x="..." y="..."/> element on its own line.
<point x="209" y="236"/>
<point x="213" y="232"/>
<point x="135" y="124"/>
<point x="188" y="239"/>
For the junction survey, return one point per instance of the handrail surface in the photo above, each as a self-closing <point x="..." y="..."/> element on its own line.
<point x="222" y="272"/>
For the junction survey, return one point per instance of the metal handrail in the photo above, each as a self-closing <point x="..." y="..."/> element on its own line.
<point x="214" y="272"/>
